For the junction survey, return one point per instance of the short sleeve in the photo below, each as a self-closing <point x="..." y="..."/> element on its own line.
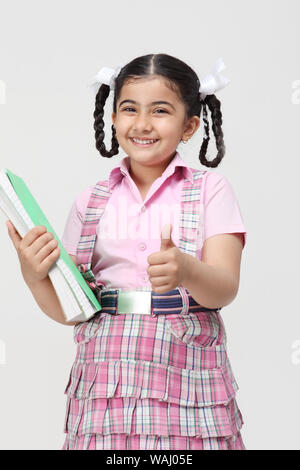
<point x="73" y="226"/>
<point x="222" y="212"/>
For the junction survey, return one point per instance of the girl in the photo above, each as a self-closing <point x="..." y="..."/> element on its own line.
<point x="151" y="369"/>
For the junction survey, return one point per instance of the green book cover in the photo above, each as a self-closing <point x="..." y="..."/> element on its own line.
<point x="38" y="218"/>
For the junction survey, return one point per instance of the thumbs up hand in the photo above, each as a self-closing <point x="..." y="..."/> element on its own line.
<point x="166" y="267"/>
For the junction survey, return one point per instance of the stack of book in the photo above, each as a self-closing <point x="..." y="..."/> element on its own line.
<point x="18" y="204"/>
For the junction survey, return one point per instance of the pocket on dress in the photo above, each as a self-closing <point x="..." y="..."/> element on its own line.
<point x="85" y="331"/>
<point x="203" y="329"/>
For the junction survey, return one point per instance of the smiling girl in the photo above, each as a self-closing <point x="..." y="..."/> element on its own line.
<point x="151" y="369"/>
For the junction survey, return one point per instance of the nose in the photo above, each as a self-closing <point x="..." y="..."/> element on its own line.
<point x="142" y="122"/>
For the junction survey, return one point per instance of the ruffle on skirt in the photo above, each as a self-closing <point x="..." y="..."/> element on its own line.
<point x="142" y="442"/>
<point x="125" y="415"/>
<point x="144" y="379"/>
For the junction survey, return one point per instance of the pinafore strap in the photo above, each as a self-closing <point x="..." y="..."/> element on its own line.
<point x="192" y="213"/>
<point x="85" y="248"/>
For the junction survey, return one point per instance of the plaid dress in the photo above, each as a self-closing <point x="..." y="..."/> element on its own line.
<point x="151" y="381"/>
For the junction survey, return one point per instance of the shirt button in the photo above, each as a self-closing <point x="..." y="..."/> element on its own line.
<point x="142" y="246"/>
<point x="143" y="208"/>
<point x="146" y="278"/>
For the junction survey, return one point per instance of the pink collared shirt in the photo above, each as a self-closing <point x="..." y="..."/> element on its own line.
<point x="130" y="228"/>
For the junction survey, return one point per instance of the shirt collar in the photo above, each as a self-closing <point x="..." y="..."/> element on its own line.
<point x="122" y="169"/>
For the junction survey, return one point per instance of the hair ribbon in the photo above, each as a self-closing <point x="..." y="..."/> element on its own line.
<point x="209" y="84"/>
<point x="105" y="75"/>
<point x="213" y="82"/>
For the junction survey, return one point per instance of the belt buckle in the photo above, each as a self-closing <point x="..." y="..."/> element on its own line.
<point x="134" y="302"/>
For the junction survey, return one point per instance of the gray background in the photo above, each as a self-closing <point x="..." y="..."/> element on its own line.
<point x="49" y="52"/>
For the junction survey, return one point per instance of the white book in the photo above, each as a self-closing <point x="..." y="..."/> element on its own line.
<point x="77" y="300"/>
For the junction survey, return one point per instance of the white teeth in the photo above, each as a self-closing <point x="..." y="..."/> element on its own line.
<point x="144" y="141"/>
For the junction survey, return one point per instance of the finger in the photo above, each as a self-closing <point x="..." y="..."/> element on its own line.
<point x="162" y="289"/>
<point x="46" y="250"/>
<point x="166" y="237"/>
<point x="166" y="232"/>
<point x="158" y="270"/>
<point x="39" y="243"/>
<point x="50" y="259"/>
<point x="160" y="257"/>
<point x="159" y="281"/>
<point x="33" y="234"/>
<point x="13" y="234"/>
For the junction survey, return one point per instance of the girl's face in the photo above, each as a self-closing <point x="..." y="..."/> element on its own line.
<point x="148" y="110"/>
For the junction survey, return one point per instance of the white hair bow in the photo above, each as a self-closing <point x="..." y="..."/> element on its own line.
<point x="213" y="81"/>
<point x="105" y="75"/>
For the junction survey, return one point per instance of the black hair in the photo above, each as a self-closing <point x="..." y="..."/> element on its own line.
<point x="182" y="79"/>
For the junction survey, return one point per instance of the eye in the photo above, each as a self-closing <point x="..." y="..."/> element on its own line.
<point x="126" y="109"/>
<point x="163" y="110"/>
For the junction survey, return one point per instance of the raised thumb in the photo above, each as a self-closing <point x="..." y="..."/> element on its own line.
<point x="166" y="237"/>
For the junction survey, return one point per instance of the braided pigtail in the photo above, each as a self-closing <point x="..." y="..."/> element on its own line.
<point x="216" y="116"/>
<point x="101" y="98"/>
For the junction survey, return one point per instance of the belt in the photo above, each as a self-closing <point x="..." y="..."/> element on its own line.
<point x="119" y="302"/>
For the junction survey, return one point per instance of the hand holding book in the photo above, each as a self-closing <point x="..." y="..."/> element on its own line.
<point x="37" y="252"/>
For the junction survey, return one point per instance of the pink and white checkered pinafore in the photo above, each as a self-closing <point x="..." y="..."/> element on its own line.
<point x="151" y="381"/>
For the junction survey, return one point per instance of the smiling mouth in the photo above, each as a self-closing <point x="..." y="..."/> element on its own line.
<point x="147" y="143"/>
